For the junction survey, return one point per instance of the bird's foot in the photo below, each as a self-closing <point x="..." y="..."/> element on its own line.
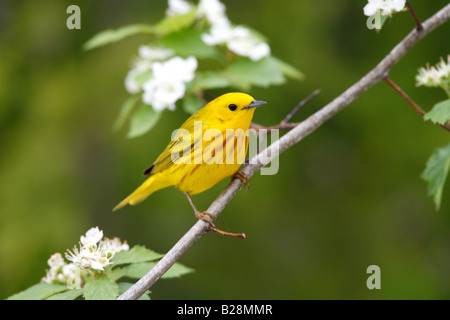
<point x="243" y="177"/>
<point x="207" y="217"/>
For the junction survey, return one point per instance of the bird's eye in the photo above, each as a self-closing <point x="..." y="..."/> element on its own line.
<point x="232" y="107"/>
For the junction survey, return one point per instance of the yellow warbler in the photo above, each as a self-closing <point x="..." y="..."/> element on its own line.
<point x="208" y="147"/>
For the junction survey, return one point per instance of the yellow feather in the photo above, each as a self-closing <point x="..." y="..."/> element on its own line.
<point x="179" y="165"/>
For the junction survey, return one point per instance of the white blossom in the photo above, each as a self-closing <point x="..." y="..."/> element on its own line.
<point x="434" y="76"/>
<point x="162" y="94"/>
<point x="142" y="65"/>
<point x="245" y="44"/>
<point x="56" y="261"/>
<point x="219" y="33"/>
<point x="167" y="84"/>
<point x="238" y="39"/>
<point x="131" y="84"/>
<point x="175" y="69"/>
<point x="443" y="68"/>
<point x="213" y="11"/>
<point x="387" y="7"/>
<point x="92" y="237"/>
<point x="178" y="7"/>
<point x="92" y="254"/>
<point x="115" y="245"/>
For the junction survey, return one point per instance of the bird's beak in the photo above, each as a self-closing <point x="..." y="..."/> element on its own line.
<point x="255" y="104"/>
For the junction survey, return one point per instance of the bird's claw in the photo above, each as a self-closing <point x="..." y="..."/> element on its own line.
<point x="243" y="177"/>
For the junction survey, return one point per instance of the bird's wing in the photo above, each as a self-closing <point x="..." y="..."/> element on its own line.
<point x="181" y="148"/>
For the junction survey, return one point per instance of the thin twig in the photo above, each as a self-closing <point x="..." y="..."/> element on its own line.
<point x="418" y="109"/>
<point x="281" y="126"/>
<point x="404" y="96"/>
<point x="285" y="124"/>
<point x="413" y="13"/>
<point x="289" y="139"/>
<point x="301" y="104"/>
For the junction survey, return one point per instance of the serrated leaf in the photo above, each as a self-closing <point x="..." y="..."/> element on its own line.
<point x="68" y="295"/>
<point x="176" y="271"/>
<point x="176" y="23"/>
<point x="39" y="291"/>
<point x="124" y="286"/>
<point x="440" y="113"/>
<point x="207" y="80"/>
<point x="138" y="270"/>
<point x="436" y="172"/>
<point x="188" y="42"/>
<point x="191" y="104"/>
<point x="244" y="73"/>
<point x="115" y="273"/>
<point x="113" y="35"/>
<point x="100" y="288"/>
<point x="142" y="121"/>
<point x="125" y="111"/>
<point x="288" y="70"/>
<point x="135" y="255"/>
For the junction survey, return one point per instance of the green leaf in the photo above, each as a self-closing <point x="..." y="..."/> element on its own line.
<point x="435" y="173"/>
<point x="440" y="113"/>
<point x="39" y="291"/>
<point x="114" y="35"/>
<point x="176" y="23"/>
<point x="68" y="295"/>
<point x="125" y="111"/>
<point x="191" y="104"/>
<point x="115" y="273"/>
<point x="100" y="288"/>
<point x="135" y="254"/>
<point x="244" y="73"/>
<point x="138" y="270"/>
<point x="288" y="70"/>
<point x="142" y="121"/>
<point x="209" y="80"/>
<point x="188" y="42"/>
<point x="176" y="271"/>
<point x="124" y="286"/>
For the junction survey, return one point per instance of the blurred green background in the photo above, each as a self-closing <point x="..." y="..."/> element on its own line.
<point x="346" y="197"/>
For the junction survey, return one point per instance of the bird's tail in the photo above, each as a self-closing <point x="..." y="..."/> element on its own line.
<point x="142" y="192"/>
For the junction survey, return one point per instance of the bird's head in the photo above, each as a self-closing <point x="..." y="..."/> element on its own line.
<point x="232" y="110"/>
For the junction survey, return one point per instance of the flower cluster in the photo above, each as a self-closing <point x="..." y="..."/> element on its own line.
<point x="238" y="39"/>
<point x="163" y="82"/>
<point x="168" y="82"/>
<point x="92" y="255"/>
<point x="386" y="7"/>
<point x="142" y="65"/>
<point x="162" y="77"/>
<point x="61" y="272"/>
<point x="435" y="76"/>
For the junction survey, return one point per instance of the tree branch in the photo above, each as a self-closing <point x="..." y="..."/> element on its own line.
<point x="289" y="139"/>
